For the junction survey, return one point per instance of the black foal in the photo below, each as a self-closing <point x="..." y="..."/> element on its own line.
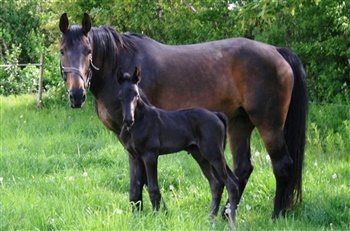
<point x="149" y="132"/>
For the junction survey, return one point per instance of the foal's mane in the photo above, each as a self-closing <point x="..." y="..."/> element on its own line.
<point x="144" y="98"/>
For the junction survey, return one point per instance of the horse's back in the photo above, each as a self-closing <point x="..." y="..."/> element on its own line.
<point x="222" y="75"/>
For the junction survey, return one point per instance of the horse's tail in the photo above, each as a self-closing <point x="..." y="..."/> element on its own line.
<point x="224" y="120"/>
<point x="295" y="127"/>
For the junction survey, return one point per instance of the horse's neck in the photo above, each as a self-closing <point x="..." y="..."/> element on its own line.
<point x="103" y="81"/>
<point x="107" y="105"/>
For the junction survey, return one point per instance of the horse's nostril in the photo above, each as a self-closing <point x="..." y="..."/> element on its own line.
<point x="71" y="99"/>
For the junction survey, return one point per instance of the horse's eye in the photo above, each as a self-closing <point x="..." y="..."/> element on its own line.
<point x="61" y="51"/>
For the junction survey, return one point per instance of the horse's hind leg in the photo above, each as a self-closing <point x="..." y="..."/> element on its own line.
<point x="216" y="185"/>
<point x="281" y="162"/>
<point x="240" y="130"/>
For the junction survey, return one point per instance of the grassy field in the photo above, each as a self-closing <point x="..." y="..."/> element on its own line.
<point x="60" y="169"/>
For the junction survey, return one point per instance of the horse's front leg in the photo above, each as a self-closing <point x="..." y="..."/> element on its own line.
<point x="138" y="178"/>
<point x="150" y="161"/>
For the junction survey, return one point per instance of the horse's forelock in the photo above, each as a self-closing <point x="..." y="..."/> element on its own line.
<point x="74" y="35"/>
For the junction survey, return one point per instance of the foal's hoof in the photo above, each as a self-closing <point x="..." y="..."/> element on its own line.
<point x="224" y="215"/>
<point x="226" y="211"/>
<point x="136" y="206"/>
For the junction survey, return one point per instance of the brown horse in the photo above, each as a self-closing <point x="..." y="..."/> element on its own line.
<point x="253" y="83"/>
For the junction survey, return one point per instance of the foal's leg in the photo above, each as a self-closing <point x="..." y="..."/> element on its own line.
<point x="138" y="178"/>
<point x="151" y="161"/>
<point x="216" y="185"/>
<point x="215" y="157"/>
<point x="230" y="180"/>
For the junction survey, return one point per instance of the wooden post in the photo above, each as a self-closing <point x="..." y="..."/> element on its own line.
<point x="40" y="89"/>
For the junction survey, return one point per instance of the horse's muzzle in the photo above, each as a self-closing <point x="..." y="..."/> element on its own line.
<point x="77" y="98"/>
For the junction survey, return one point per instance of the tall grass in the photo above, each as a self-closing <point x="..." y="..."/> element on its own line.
<point x="60" y="169"/>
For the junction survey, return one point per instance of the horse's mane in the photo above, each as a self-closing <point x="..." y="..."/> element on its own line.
<point x="108" y="37"/>
<point x="107" y="43"/>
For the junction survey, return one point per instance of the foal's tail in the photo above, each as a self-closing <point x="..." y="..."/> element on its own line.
<point x="224" y="120"/>
<point x="295" y="127"/>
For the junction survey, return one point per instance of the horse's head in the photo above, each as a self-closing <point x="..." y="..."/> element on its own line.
<point x="76" y="59"/>
<point x="129" y="94"/>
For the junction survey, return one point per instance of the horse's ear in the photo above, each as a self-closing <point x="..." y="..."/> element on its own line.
<point x="136" y="78"/>
<point x="86" y="24"/>
<point x="120" y="75"/>
<point x="64" y="23"/>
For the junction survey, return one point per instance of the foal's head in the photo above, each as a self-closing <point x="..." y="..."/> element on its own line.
<point x="129" y="94"/>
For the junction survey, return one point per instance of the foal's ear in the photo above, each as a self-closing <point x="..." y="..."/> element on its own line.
<point x="136" y="78"/>
<point x="86" y="24"/>
<point x="64" y="23"/>
<point x="120" y="75"/>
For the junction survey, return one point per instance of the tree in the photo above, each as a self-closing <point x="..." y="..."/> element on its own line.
<point x="318" y="31"/>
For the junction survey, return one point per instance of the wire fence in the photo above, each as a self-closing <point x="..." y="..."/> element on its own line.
<point x="41" y="76"/>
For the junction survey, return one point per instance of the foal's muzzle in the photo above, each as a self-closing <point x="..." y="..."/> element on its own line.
<point x="77" y="97"/>
<point x="128" y="123"/>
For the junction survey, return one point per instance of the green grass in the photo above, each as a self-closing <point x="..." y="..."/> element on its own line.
<point x="60" y="169"/>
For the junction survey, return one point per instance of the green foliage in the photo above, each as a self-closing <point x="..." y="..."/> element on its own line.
<point x="318" y="31"/>
<point x="19" y="25"/>
<point x="16" y="80"/>
<point x="328" y="126"/>
<point x="22" y="41"/>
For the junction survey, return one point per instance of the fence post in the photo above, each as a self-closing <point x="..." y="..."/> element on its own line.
<point x="40" y="89"/>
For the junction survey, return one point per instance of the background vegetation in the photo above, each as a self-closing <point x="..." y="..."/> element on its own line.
<point x="61" y="169"/>
<point x="318" y="31"/>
